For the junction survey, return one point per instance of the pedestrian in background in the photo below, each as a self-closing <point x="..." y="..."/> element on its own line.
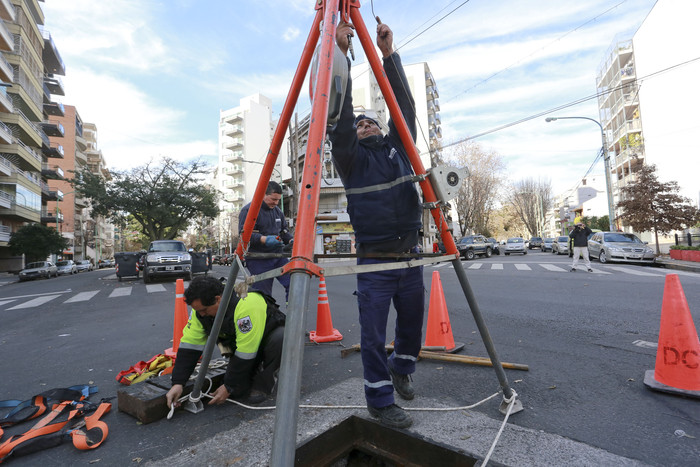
<point x="579" y="237"/>
<point x="270" y="234"/>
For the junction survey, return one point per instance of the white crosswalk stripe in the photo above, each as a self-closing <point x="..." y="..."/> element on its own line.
<point x="121" y="292"/>
<point x="496" y="266"/>
<point x="34" y="302"/>
<point x="476" y="266"/>
<point x="635" y="272"/>
<point x="150" y="288"/>
<point x="522" y="267"/>
<point x="82" y="296"/>
<point x="440" y="265"/>
<point x="551" y="267"/>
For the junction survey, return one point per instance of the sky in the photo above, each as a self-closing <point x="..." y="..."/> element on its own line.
<point x="153" y="74"/>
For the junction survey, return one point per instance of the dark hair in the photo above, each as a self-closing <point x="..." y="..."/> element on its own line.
<point x="204" y="288"/>
<point x="273" y="187"/>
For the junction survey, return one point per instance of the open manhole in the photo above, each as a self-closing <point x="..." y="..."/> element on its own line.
<point x="359" y="442"/>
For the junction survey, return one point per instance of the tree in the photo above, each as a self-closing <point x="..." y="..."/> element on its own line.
<point x="650" y="205"/>
<point x="531" y="199"/>
<point x="37" y="242"/>
<point x="163" y="198"/>
<point x="478" y="196"/>
<point x="598" y="223"/>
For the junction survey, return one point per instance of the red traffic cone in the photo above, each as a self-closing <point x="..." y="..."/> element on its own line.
<point x="677" y="368"/>
<point x="180" y="319"/>
<point x="439" y="331"/>
<point x="324" y="325"/>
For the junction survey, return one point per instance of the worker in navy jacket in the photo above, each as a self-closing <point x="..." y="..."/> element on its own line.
<point x="270" y="234"/>
<point x="385" y="212"/>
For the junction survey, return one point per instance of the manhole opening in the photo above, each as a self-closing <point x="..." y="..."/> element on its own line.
<point x="359" y="442"/>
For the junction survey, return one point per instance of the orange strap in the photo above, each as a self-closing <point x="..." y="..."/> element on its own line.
<point x="80" y="438"/>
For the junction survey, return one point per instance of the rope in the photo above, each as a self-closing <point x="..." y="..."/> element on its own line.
<point x="511" y="404"/>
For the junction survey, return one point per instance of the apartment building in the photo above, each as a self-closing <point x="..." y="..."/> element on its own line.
<point x="245" y="135"/>
<point x="335" y="233"/>
<point x="30" y="66"/>
<point x="647" y="99"/>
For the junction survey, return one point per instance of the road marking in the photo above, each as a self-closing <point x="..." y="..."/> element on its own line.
<point x="645" y="344"/>
<point x="522" y="267"/>
<point x="551" y="267"/>
<point x="633" y="271"/>
<point x="34" y="302"/>
<point x="82" y="296"/>
<point x="476" y="266"/>
<point x="151" y="288"/>
<point x="598" y="271"/>
<point x="121" y="292"/>
<point x="39" y="294"/>
<point x="439" y="265"/>
<point x="6" y="301"/>
<point x="497" y="266"/>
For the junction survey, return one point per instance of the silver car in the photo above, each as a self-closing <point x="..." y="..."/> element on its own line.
<point x="560" y="246"/>
<point x="515" y="245"/>
<point x="67" y="267"/>
<point x="38" y="269"/>
<point x="619" y="246"/>
<point x="84" y="265"/>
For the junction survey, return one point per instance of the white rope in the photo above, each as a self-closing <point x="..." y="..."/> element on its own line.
<point x="511" y="404"/>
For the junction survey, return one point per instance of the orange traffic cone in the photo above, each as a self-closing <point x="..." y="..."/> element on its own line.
<point x="439" y="332"/>
<point x="181" y="318"/>
<point x="677" y="368"/>
<point x="324" y="324"/>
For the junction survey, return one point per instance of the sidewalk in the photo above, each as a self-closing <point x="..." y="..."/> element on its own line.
<point x="667" y="262"/>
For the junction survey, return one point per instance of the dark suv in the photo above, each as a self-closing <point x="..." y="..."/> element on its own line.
<point x="167" y="258"/>
<point x="535" y="242"/>
<point x="474" y="245"/>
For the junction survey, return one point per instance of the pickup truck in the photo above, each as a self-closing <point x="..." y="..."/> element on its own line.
<point x="474" y="245"/>
<point x="167" y="258"/>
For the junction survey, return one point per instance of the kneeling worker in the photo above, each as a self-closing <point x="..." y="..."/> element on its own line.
<point x="253" y="330"/>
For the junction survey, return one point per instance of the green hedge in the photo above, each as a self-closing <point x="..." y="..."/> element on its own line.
<point x="685" y="247"/>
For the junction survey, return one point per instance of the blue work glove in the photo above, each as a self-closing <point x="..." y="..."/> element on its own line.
<point x="272" y="242"/>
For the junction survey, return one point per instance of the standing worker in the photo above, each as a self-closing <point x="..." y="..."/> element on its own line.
<point x="579" y="239"/>
<point x="385" y="211"/>
<point x="251" y="334"/>
<point x="270" y="234"/>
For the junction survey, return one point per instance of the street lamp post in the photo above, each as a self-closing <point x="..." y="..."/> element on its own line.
<point x="606" y="162"/>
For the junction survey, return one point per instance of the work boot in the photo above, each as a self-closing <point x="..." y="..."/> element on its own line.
<point x="590" y="270"/>
<point x="572" y="270"/>
<point x="255" y="397"/>
<point x="391" y="415"/>
<point x="402" y="384"/>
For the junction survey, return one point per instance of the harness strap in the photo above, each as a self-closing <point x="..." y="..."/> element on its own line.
<point x="92" y="422"/>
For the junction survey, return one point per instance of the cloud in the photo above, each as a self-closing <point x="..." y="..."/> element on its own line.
<point x="290" y="34"/>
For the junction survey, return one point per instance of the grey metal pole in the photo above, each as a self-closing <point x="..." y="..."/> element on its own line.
<point x="481" y="325"/>
<point x="196" y="393"/>
<point x="286" y="415"/>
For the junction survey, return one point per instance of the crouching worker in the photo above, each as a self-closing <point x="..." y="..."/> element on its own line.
<point x="253" y="330"/>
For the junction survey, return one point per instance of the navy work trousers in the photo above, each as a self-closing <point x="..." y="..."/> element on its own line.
<point x="258" y="266"/>
<point x="375" y="293"/>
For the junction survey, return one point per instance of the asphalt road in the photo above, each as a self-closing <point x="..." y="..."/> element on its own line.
<point x="587" y="338"/>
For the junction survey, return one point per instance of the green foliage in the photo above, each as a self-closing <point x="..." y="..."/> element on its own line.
<point x="684" y="247"/>
<point x="37" y="242"/>
<point x="599" y="223"/>
<point x="162" y="198"/>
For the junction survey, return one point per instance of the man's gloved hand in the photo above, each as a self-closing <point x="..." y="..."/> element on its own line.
<point x="272" y="241"/>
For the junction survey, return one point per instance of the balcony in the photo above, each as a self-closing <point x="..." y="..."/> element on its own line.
<point x="52" y="172"/>
<point x="5" y="134"/>
<point x="234" y="156"/>
<point x="50" y="217"/>
<point x="5" y="232"/>
<point x="78" y="201"/>
<point x="5" y="103"/>
<point x="54" y="85"/>
<point x="80" y="142"/>
<point x="53" y="129"/>
<point x="55" y="152"/>
<point x="24" y="129"/>
<point x="236" y="143"/>
<point x="55" y="108"/>
<point x="7" y="11"/>
<point x="234" y="170"/>
<point x="20" y="213"/>
<point x="51" y="58"/>
<point x="7" y="74"/>
<point x="234" y="130"/>
<point x="7" y="43"/>
<point x="5" y="200"/>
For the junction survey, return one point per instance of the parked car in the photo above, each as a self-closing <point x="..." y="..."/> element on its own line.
<point x="547" y="244"/>
<point x="473" y="245"/>
<point x="66" y="267"/>
<point x="535" y="242"/>
<point x="515" y="245"/>
<point x="619" y="246"/>
<point x="494" y="245"/>
<point x="560" y="246"/>
<point x="38" y="269"/>
<point x="84" y="265"/>
<point x="105" y="263"/>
